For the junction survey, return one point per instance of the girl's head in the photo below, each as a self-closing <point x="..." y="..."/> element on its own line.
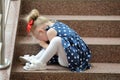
<point x="37" y="25"/>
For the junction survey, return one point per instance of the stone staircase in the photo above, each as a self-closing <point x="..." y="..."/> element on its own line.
<point x="96" y="21"/>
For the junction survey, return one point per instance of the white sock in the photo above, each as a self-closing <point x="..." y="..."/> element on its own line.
<point x="40" y="54"/>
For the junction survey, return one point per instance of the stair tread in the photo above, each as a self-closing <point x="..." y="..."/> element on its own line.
<point x="88" y="40"/>
<point x="84" y="18"/>
<point x="96" y="68"/>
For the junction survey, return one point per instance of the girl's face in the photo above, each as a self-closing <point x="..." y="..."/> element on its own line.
<point x="40" y="34"/>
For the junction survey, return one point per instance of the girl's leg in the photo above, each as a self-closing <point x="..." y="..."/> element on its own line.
<point x="37" y="56"/>
<point x="54" y="47"/>
<point x="62" y="58"/>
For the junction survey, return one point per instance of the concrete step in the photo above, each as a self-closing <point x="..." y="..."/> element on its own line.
<point x="72" y="7"/>
<point x="86" y="26"/>
<point x="103" y="49"/>
<point x="99" y="71"/>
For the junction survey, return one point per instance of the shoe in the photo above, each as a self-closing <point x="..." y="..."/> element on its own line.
<point x="34" y="67"/>
<point x="26" y="59"/>
<point x="27" y="64"/>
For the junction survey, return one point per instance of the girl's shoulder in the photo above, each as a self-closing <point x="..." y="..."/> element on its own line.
<point x="59" y="24"/>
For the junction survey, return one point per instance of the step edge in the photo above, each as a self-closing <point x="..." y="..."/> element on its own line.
<point x="88" y="40"/>
<point x="92" y="70"/>
<point x="82" y="18"/>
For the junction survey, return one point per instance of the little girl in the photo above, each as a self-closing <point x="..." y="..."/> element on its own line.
<point x="60" y="43"/>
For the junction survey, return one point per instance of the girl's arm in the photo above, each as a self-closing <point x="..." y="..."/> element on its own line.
<point x="51" y="33"/>
<point x="43" y="44"/>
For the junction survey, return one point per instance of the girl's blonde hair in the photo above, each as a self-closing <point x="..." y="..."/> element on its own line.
<point x="37" y="19"/>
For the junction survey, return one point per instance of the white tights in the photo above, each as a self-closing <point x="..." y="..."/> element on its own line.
<point x="54" y="48"/>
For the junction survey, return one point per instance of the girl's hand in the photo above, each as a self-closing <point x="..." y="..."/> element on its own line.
<point x="43" y="44"/>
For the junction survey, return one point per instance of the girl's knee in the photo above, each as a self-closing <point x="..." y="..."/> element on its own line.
<point x="56" y="40"/>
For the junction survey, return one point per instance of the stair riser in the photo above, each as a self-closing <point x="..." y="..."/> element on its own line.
<point x="63" y="76"/>
<point x="100" y="53"/>
<point x="72" y="7"/>
<point x="85" y="28"/>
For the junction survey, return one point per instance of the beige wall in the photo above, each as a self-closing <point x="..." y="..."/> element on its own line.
<point x="0" y="6"/>
<point x="6" y="5"/>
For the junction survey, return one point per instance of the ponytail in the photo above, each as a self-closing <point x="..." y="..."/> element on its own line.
<point x="36" y="20"/>
<point x="33" y="15"/>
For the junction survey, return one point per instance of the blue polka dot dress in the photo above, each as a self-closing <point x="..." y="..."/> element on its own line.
<point x="77" y="52"/>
